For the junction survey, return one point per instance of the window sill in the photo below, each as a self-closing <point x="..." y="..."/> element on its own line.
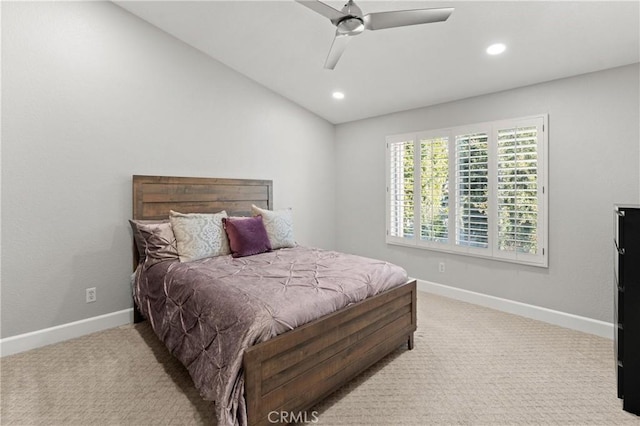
<point x="538" y="261"/>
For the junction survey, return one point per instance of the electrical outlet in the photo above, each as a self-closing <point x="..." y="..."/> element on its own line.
<point x="91" y="295"/>
<point x="441" y="266"/>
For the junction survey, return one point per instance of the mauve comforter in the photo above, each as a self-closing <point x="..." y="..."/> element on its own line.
<point x="208" y="311"/>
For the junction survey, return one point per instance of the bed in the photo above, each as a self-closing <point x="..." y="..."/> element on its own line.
<point x="286" y="373"/>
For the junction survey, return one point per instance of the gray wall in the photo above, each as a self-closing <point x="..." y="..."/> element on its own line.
<point x="593" y="163"/>
<point x="92" y="95"/>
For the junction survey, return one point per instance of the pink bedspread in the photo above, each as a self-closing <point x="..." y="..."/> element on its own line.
<point x="207" y="312"/>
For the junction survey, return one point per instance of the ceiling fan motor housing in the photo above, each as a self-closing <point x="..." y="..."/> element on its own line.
<point x="350" y="25"/>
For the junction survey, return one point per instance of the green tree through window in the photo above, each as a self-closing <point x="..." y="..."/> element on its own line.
<point x="518" y="190"/>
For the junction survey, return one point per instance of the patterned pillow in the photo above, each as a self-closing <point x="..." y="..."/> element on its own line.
<point x="199" y="235"/>
<point x="279" y="226"/>
<point x="155" y="240"/>
<point x="247" y="235"/>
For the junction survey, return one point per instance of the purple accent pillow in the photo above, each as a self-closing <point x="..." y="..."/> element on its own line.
<point x="247" y="235"/>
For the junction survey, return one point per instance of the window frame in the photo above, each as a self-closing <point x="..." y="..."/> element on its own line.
<point x="540" y="259"/>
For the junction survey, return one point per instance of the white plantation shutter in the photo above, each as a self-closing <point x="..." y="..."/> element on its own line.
<point x="472" y="190"/>
<point x="520" y="191"/>
<point x="434" y="189"/>
<point x="477" y="190"/>
<point x="400" y="189"/>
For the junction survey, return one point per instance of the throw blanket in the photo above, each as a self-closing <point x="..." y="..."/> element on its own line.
<point x="207" y="312"/>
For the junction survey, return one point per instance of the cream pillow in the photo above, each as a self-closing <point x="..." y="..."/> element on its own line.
<point x="199" y="235"/>
<point x="279" y="226"/>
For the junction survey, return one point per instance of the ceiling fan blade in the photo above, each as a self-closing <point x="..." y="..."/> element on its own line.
<point x="323" y="9"/>
<point x="402" y="18"/>
<point x="337" y="48"/>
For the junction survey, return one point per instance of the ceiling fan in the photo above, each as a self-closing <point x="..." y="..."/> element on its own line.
<point x="351" y="22"/>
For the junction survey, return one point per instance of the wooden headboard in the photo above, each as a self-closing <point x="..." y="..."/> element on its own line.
<point x="154" y="196"/>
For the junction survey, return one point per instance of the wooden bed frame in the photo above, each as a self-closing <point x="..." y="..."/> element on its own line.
<point x="288" y="374"/>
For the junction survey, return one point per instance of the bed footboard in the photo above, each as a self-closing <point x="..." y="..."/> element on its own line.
<point x="291" y="372"/>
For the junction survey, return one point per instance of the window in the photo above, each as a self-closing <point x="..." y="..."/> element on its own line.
<point x="472" y="190"/>
<point x="478" y="190"/>
<point x="401" y="186"/>
<point x="434" y="189"/>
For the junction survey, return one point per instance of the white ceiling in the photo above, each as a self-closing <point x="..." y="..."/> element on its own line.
<point x="283" y="46"/>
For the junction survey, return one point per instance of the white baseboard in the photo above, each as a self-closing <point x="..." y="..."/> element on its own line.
<point x="35" y="339"/>
<point x="574" y="322"/>
<point x="24" y="342"/>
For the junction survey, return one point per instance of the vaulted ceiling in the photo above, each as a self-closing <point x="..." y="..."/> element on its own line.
<point x="283" y="46"/>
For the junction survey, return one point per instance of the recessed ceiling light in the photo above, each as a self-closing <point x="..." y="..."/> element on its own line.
<point x="338" y="95"/>
<point x="496" y="49"/>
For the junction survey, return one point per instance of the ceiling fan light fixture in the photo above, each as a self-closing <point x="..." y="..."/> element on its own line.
<point x="350" y="26"/>
<point x="338" y="95"/>
<point x="496" y="49"/>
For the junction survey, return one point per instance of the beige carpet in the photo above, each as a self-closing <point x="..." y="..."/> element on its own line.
<point x="470" y="366"/>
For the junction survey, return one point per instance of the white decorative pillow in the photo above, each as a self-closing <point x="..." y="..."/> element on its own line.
<point x="279" y="226"/>
<point x="199" y="235"/>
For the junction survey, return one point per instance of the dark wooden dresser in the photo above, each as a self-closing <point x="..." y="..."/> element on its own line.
<point x="627" y="305"/>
